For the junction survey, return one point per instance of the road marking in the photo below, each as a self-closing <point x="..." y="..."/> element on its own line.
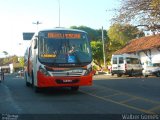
<point x="133" y="96"/>
<point x="155" y="108"/>
<point x="123" y="102"/>
<point x="125" y="105"/>
<point x="128" y="100"/>
<point x="112" y="95"/>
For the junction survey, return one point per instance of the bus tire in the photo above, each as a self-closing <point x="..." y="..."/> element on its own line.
<point x="27" y="83"/>
<point x="37" y="89"/>
<point x="32" y="77"/>
<point x="75" y="88"/>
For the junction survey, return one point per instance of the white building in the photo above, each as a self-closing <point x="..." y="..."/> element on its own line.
<point x="147" y="48"/>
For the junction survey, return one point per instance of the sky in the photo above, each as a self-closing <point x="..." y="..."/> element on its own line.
<point x="18" y="16"/>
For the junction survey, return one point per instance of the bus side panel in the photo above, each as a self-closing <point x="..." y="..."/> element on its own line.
<point x="51" y="81"/>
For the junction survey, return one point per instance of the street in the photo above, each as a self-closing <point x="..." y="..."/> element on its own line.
<point x="108" y="95"/>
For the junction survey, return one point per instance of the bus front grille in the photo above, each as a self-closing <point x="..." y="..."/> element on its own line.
<point x="67" y="73"/>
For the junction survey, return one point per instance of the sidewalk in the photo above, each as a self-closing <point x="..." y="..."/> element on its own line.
<point x="105" y="76"/>
<point x="102" y="75"/>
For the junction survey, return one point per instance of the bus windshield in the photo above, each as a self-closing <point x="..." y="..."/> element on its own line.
<point x="64" y="47"/>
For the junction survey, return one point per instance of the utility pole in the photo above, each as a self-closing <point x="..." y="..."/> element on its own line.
<point x="59" y="13"/>
<point x="104" y="56"/>
<point x="37" y="23"/>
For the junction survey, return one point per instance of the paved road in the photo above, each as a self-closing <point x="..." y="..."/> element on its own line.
<point x="108" y="96"/>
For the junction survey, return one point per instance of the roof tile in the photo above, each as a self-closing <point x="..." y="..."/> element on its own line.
<point x="140" y="44"/>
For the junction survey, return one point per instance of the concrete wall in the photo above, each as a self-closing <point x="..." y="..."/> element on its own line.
<point x="149" y="56"/>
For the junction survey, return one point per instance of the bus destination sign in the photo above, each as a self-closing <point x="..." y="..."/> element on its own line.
<point x="64" y="35"/>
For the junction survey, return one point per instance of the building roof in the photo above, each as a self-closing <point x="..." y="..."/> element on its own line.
<point x="140" y="44"/>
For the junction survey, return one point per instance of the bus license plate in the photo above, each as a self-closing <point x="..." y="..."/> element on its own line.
<point x="67" y="81"/>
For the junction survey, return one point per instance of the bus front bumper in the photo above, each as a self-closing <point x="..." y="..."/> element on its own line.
<point x="63" y="81"/>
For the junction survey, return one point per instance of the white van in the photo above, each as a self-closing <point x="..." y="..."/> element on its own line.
<point x="127" y="64"/>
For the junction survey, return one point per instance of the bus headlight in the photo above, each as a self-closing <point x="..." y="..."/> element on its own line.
<point x="88" y="71"/>
<point x="44" y="71"/>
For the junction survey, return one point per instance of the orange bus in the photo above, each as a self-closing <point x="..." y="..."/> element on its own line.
<point x="58" y="58"/>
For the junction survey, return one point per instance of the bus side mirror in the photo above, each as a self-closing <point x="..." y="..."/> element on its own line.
<point x="35" y="43"/>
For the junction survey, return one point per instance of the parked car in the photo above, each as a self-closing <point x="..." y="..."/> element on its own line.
<point x="156" y="72"/>
<point x="21" y="73"/>
<point x="152" y="69"/>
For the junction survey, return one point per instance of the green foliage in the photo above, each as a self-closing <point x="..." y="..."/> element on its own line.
<point x="93" y="34"/>
<point x="21" y="61"/>
<point x="120" y="34"/>
<point x="96" y="43"/>
<point x="95" y="67"/>
<point x="97" y="52"/>
<point x="8" y="60"/>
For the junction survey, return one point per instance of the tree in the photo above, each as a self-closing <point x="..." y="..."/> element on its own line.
<point x="99" y="35"/>
<point x="143" y="12"/>
<point x="120" y="34"/>
<point x="96" y="43"/>
<point x="93" y="34"/>
<point x="21" y="61"/>
<point x="14" y="59"/>
<point x="97" y="52"/>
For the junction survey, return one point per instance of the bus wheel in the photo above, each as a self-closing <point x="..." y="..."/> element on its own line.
<point x="37" y="89"/>
<point x="27" y="83"/>
<point x="76" y="88"/>
<point x="32" y="79"/>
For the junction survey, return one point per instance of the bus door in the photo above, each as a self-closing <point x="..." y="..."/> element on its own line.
<point x="29" y="66"/>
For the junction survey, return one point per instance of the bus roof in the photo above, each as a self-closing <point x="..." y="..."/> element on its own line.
<point x="61" y="29"/>
<point x="28" y="36"/>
